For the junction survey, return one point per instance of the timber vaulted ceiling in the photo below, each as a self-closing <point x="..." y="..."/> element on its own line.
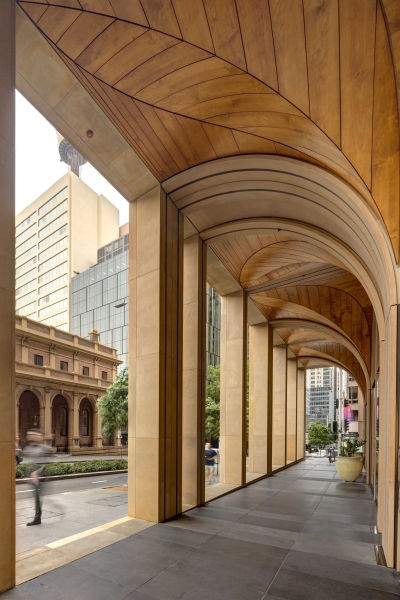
<point x="187" y="82"/>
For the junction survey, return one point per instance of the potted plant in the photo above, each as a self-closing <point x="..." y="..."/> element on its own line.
<point x="349" y="466"/>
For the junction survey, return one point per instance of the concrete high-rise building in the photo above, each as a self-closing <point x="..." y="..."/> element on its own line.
<point x="57" y="236"/>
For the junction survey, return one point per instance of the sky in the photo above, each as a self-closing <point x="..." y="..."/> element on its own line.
<point x="38" y="165"/>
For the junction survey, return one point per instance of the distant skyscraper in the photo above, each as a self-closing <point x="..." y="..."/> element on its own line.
<point x="324" y="385"/>
<point x="56" y="236"/>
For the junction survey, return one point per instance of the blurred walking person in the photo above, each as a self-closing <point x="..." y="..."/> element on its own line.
<point x="34" y="451"/>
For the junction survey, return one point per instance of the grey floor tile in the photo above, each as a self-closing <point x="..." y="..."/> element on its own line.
<point x="328" y="529"/>
<point x="370" y="576"/>
<point x="211" y="512"/>
<point x="173" y="534"/>
<point x="195" y="523"/>
<point x="335" y="547"/>
<point x="210" y="572"/>
<point x="283" y="517"/>
<point x="16" y="594"/>
<point x="329" y="516"/>
<point x="292" y="585"/>
<point x="250" y="519"/>
<point x="270" y="555"/>
<point x="260" y="535"/>
<point x="138" y="595"/>
<point x="69" y="582"/>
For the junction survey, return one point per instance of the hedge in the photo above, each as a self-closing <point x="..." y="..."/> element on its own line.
<point x="89" y="466"/>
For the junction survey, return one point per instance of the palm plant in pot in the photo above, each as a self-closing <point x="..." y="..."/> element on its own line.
<point x="348" y="465"/>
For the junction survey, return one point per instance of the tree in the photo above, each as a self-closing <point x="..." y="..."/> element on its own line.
<point x="319" y="434"/>
<point x="113" y="407"/>
<point x="213" y="403"/>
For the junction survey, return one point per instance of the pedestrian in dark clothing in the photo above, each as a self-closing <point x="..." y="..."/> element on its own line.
<point x="35" y="450"/>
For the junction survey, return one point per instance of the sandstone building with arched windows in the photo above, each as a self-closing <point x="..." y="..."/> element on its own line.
<point x="59" y="377"/>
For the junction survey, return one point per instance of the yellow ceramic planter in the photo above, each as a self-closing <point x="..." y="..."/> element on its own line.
<point x="349" y="467"/>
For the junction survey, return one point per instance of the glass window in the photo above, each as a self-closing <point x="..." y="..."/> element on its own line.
<point x="53" y="224"/>
<point x="104" y="375"/>
<point x="25" y="276"/>
<point x="52" y="272"/>
<point x="25" y="222"/>
<point x="85" y="423"/>
<point x="52" y="248"/>
<point x="63" y="365"/>
<point x="23" y="235"/>
<point x="25" y="244"/>
<point x="85" y="371"/>
<point x="53" y="260"/>
<point x="55" y="283"/>
<point x="38" y="360"/>
<point x="53" y="236"/>
<point x="53" y="213"/>
<point x="22" y="257"/>
<point x="52" y="200"/>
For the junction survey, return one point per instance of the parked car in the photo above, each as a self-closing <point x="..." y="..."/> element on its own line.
<point x="18" y="455"/>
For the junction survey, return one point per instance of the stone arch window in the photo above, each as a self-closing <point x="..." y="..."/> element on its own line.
<point x="64" y="421"/>
<point x="85" y="422"/>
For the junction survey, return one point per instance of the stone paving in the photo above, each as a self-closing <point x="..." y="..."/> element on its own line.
<point x="67" y="514"/>
<point x="299" y="535"/>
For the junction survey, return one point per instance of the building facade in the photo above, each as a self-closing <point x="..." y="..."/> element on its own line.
<point x="54" y="239"/>
<point x="324" y="386"/>
<point x="59" y="377"/>
<point x="100" y="301"/>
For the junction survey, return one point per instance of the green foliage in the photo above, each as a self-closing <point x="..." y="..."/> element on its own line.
<point x="113" y="407"/>
<point x="350" y="446"/>
<point x="89" y="466"/>
<point x="319" y="434"/>
<point x="213" y="403"/>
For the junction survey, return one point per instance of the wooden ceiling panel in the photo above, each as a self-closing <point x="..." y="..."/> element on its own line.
<point x="82" y="32"/>
<point x="256" y="30"/>
<point x="291" y="61"/>
<point x="35" y="11"/>
<point x="107" y="44"/>
<point x="134" y="54"/>
<point x="297" y="48"/>
<point x="193" y="23"/>
<point x="55" y="21"/>
<point x="225" y="31"/>
<point x="357" y="60"/>
<point x="322" y="42"/>
<point x="385" y="149"/>
<point x="161" y="16"/>
<point x="174" y="58"/>
<point x="129" y="11"/>
<point x="101" y="6"/>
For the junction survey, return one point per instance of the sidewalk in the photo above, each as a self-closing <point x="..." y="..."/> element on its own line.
<point x="301" y="534"/>
<point x="67" y="514"/>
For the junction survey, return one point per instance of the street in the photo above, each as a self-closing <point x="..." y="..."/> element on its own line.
<point x="63" y="486"/>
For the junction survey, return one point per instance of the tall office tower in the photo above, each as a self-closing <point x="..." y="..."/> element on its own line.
<point x="100" y="300"/>
<point x="56" y="236"/>
<point x="324" y="385"/>
<point x="100" y="297"/>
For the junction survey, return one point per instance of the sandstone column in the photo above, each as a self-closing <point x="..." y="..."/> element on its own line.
<point x="194" y="370"/>
<point x="260" y="397"/>
<point x="155" y="363"/>
<point x="301" y="413"/>
<point x="233" y="388"/>
<point x="279" y="407"/>
<point x="7" y="287"/>
<point x="291" y="410"/>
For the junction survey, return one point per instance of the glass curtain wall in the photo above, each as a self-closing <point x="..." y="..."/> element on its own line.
<point x="100" y="298"/>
